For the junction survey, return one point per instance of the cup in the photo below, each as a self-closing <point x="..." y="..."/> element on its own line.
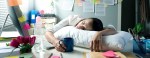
<point x="69" y="43"/>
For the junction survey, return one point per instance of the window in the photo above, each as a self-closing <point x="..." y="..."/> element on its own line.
<point x="3" y="13"/>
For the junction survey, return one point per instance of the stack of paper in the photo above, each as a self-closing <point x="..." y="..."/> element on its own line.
<point x="7" y="51"/>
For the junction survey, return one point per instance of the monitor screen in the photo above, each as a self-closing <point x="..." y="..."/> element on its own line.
<point x="17" y="17"/>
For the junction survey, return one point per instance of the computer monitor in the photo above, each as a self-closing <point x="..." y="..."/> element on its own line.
<point x="15" y="13"/>
<point x="15" y="21"/>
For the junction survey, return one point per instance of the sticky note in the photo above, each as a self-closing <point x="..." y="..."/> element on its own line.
<point x="94" y="1"/>
<point x="97" y="2"/>
<point x="32" y="25"/>
<point x="14" y="2"/>
<point x="38" y="19"/>
<point x="26" y="26"/>
<point x="12" y="57"/>
<point x="105" y="5"/>
<point x="79" y="2"/>
<point x="109" y="54"/>
<point x="55" y="56"/>
<point x="21" y="19"/>
<point x="42" y="12"/>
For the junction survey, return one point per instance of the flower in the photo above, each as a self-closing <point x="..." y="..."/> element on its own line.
<point x="25" y="43"/>
<point x="26" y="39"/>
<point x="32" y="40"/>
<point x="19" y="39"/>
<point x="14" y="43"/>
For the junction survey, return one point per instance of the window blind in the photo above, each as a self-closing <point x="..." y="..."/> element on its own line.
<point x="4" y="13"/>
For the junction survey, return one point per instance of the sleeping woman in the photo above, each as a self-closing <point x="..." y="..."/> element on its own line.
<point x="89" y="24"/>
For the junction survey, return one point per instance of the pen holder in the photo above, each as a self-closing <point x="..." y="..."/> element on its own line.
<point x="69" y="43"/>
<point x="147" y="46"/>
<point x="142" y="46"/>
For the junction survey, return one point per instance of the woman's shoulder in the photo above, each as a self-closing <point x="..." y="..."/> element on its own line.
<point x="74" y="20"/>
<point x="110" y="26"/>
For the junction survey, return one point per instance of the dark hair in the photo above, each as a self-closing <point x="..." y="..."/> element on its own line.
<point x="97" y="24"/>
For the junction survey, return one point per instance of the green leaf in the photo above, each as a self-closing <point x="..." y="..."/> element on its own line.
<point x="25" y="48"/>
<point x="138" y="28"/>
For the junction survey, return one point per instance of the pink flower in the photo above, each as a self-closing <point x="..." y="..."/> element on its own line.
<point x="20" y="39"/>
<point x="26" y="39"/>
<point x="32" y="40"/>
<point x="14" y="43"/>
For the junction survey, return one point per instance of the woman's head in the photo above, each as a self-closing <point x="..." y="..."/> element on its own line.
<point x="94" y="24"/>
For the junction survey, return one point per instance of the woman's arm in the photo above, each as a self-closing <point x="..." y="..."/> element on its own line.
<point x="96" y="44"/>
<point x="51" y="38"/>
<point x="50" y="33"/>
<point x="108" y="31"/>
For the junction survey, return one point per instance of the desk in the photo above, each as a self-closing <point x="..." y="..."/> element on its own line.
<point x="10" y="34"/>
<point x="77" y="53"/>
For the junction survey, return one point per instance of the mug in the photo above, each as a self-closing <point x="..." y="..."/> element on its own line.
<point x="69" y="43"/>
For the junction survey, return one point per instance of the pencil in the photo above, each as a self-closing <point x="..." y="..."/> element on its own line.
<point x="61" y="55"/>
<point x="50" y="55"/>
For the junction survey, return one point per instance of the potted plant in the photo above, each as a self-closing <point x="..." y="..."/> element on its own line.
<point x="25" y="43"/>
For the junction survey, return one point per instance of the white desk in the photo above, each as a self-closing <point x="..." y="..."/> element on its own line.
<point x="77" y="53"/>
<point x="10" y="34"/>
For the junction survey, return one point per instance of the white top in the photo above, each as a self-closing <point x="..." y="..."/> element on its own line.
<point x="71" y="20"/>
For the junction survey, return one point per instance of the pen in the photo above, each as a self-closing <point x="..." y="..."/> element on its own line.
<point x="50" y="55"/>
<point x="61" y="55"/>
<point x="48" y="48"/>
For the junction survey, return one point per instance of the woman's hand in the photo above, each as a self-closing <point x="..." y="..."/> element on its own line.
<point x="59" y="46"/>
<point x="96" y="43"/>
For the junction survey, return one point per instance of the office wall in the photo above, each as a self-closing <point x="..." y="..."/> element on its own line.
<point x="110" y="18"/>
<point x="43" y="5"/>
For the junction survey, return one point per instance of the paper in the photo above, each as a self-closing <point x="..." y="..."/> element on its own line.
<point x="100" y="9"/>
<point x="109" y="2"/>
<point x="14" y="2"/>
<point x="33" y="16"/>
<point x="12" y="57"/>
<point x="97" y="1"/>
<point x="26" y="26"/>
<point x="88" y="6"/>
<point x="88" y="55"/>
<point x="116" y="1"/>
<point x="67" y="4"/>
<point x="109" y="54"/>
<point x="79" y="2"/>
<point x="21" y="19"/>
<point x="55" y="57"/>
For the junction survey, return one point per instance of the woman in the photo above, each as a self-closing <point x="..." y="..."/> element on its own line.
<point x="92" y="24"/>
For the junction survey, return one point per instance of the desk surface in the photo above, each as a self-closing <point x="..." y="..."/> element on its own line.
<point x="77" y="53"/>
<point x="10" y="34"/>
